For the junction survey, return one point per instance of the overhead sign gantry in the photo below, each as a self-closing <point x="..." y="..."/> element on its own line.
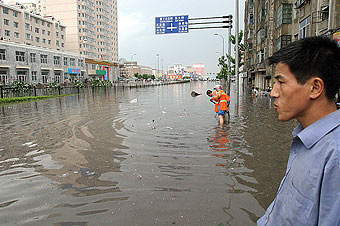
<point x="181" y="24"/>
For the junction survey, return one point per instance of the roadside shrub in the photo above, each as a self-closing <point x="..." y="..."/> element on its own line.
<point x="19" y="86"/>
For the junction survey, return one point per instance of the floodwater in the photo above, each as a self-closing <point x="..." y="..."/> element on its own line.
<point x="146" y="156"/>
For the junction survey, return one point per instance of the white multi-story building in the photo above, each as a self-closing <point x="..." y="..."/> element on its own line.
<point x="20" y="26"/>
<point x="31" y="64"/>
<point x="92" y="28"/>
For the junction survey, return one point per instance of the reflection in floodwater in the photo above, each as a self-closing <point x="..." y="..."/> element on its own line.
<point x="150" y="156"/>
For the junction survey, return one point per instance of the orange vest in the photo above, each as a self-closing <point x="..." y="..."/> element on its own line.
<point x="223" y="102"/>
<point x="216" y="105"/>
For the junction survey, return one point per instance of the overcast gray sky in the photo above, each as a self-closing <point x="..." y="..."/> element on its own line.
<point x="136" y="32"/>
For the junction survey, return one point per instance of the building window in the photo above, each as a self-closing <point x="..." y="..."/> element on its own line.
<point x="37" y="39"/>
<point x="36" y="20"/>
<point x="6" y="22"/>
<point x="49" y="42"/>
<point x="57" y="76"/>
<point x="48" y="33"/>
<point x="283" y="41"/>
<point x="34" y="76"/>
<point x="57" y="43"/>
<point x="32" y="57"/>
<point x="2" y="54"/>
<point x="20" y="56"/>
<point x="72" y="62"/>
<point x="62" y="45"/>
<point x="28" y="36"/>
<point x="65" y="61"/>
<point x="44" y="40"/>
<point x="27" y="26"/>
<point x="43" y="31"/>
<point x="284" y="14"/>
<point x="43" y="59"/>
<point x="27" y="16"/>
<point x="305" y="28"/>
<point x="260" y="35"/>
<point x="3" y="77"/>
<point x="15" y="13"/>
<point x="5" y="10"/>
<point x="44" y="75"/>
<point x="7" y="33"/>
<point x="21" y="76"/>
<point x="16" y="24"/>
<point x="16" y="34"/>
<point x="36" y="30"/>
<point x="260" y="56"/>
<point x="56" y="60"/>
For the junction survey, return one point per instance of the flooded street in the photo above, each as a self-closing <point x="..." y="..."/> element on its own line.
<point x="146" y="156"/>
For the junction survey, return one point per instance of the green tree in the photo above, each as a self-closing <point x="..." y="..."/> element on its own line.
<point x="227" y="70"/>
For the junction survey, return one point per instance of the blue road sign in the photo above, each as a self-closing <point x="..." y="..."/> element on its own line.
<point x="172" y="24"/>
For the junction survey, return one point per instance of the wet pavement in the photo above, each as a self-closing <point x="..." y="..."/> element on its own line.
<point x="146" y="156"/>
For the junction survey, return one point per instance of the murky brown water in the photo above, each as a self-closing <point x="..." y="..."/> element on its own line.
<point x="149" y="156"/>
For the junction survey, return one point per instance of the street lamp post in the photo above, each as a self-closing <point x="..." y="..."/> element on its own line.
<point x="157" y="64"/>
<point x="222" y="43"/>
<point x="132" y="56"/>
<point x="237" y="53"/>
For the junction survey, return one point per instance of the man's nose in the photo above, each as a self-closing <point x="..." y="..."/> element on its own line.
<point x="274" y="93"/>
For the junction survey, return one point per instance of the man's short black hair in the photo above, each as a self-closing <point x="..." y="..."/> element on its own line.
<point x="209" y="92"/>
<point x="312" y="57"/>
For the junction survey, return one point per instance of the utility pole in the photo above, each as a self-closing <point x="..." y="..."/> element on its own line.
<point x="236" y="51"/>
<point x="157" y="64"/>
<point x="229" y="53"/>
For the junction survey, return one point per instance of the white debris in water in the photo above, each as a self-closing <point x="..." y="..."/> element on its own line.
<point x="163" y="112"/>
<point x="10" y="160"/>
<point x="1" y="149"/>
<point x="35" y="152"/>
<point x="32" y="145"/>
<point x="28" y="143"/>
<point x="169" y="128"/>
<point x="133" y="101"/>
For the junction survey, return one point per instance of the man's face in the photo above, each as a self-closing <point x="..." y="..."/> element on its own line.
<point x="291" y="98"/>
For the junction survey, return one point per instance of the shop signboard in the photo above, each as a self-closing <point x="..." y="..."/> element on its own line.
<point x="106" y="76"/>
<point x="73" y="71"/>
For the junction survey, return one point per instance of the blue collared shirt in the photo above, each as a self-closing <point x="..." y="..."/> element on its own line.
<point x="309" y="193"/>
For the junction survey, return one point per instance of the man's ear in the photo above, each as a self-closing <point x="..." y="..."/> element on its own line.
<point x="317" y="87"/>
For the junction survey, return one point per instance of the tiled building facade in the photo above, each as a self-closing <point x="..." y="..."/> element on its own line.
<point x="20" y="62"/>
<point x="20" y="26"/>
<point x="272" y="24"/>
<point x="92" y="26"/>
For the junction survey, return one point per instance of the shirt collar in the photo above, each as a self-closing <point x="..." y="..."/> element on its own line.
<point x="314" y="132"/>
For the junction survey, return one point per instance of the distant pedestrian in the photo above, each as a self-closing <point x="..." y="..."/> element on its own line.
<point x="307" y="78"/>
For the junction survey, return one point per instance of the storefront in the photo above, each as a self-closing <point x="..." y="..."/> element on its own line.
<point x="45" y="75"/>
<point x="4" y="70"/>
<point x="58" y="75"/>
<point x="74" y="74"/>
<point x="22" y="73"/>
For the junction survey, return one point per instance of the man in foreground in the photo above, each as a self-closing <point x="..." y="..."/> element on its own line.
<point x="307" y="78"/>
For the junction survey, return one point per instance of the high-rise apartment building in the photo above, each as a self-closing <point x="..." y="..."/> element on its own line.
<point x="92" y="26"/>
<point x="272" y="24"/>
